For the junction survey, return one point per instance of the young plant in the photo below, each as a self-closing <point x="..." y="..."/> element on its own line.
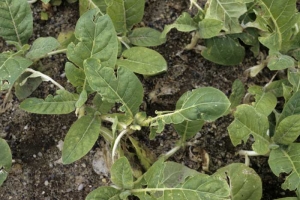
<point x="275" y="133"/>
<point x="225" y="26"/>
<point x="170" y="180"/>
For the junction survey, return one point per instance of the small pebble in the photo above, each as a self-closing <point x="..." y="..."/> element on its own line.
<point x="34" y="155"/>
<point x="40" y="154"/>
<point x="80" y="187"/>
<point x="46" y="183"/>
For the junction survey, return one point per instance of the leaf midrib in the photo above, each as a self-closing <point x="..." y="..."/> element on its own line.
<point x="13" y="21"/>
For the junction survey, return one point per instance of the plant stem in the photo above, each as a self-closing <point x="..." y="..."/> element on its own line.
<point x="31" y="1"/>
<point x="56" y="52"/>
<point x="247" y="154"/>
<point x="45" y="77"/>
<point x="117" y="141"/>
<point x="171" y="152"/>
<point x="106" y="133"/>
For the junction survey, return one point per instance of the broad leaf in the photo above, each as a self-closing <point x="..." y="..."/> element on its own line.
<point x="188" y="129"/>
<point x="143" y="61"/>
<point x="265" y="102"/>
<point x="5" y="160"/>
<point x="23" y="90"/>
<point x="85" y="5"/>
<point x="16" y="21"/>
<point x="292" y="107"/>
<point x="276" y="87"/>
<point x="104" y="193"/>
<point x="11" y="68"/>
<point x="183" y="23"/>
<point x="279" y="17"/>
<point x="146" y="37"/>
<point x="243" y="181"/>
<point x="171" y="180"/>
<point x="96" y="39"/>
<point x="121" y="174"/>
<point x="80" y="138"/>
<point x="224" y="51"/>
<point x="278" y="61"/>
<point x="228" y="12"/>
<point x="294" y="79"/>
<point x="102" y="106"/>
<point x="74" y="75"/>
<point x="125" y="88"/>
<point x="125" y="14"/>
<point x="248" y="121"/>
<point x="287" y="160"/>
<point x="82" y="99"/>
<point x="41" y="47"/>
<point x="249" y="36"/>
<point x="62" y="103"/>
<point x="288" y="130"/>
<point x="237" y="94"/>
<point x="209" y="28"/>
<point x="205" y="103"/>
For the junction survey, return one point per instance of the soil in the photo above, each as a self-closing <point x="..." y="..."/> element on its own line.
<point x="37" y="173"/>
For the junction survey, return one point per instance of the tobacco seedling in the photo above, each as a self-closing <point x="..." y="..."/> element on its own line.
<point x="226" y="27"/>
<point x="275" y="132"/>
<point x="170" y="180"/>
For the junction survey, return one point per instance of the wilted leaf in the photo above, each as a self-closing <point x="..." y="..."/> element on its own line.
<point x="80" y="138"/>
<point x="143" y="61"/>
<point x="24" y="90"/>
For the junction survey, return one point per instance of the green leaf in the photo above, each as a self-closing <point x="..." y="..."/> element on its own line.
<point x="188" y="129"/>
<point x="85" y="5"/>
<point x="23" y="90"/>
<point x="62" y="103"/>
<point x="41" y="47"/>
<point x="125" y="14"/>
<point x="278" y="61"/>
<point x="205" y="103"/>
<point x="125" y="88"/>
<point x="209" y="28"/>
<point x="146" y="37"/>
<point x="237" y="94"/>
<point x="279" y="17"/>
<point x="11" y="68"/>
<point x="104" y="193"/>
<point x="16" y="21"/>
<point x="244" y="182"/>
<point x="292" y="107"/>
<point x="265" y="102"/>
<point x="5" y="160"/>
<point x="74" y="75"/>
<point x="143" y="61"/>
<point x="96" y="39"/>
<point x="82" y="99"/>
<point x="65" y="38"/>
<point x="183" y="23"/>
<point x="248" y="121"/>
<point x="249" y="36"/>
<point x="276" y="87"/>
<point x="121" y="174"/>
<point x="286" y="160"/>
<point x="288" y="130"/>
<point x="102" y="106"/>
<point x="80" y="138"/>
<point x="224" y="51"/>
<point x="294" y="79"/>
<point x="171" y="180"/>
<point x="228" y="12"/>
